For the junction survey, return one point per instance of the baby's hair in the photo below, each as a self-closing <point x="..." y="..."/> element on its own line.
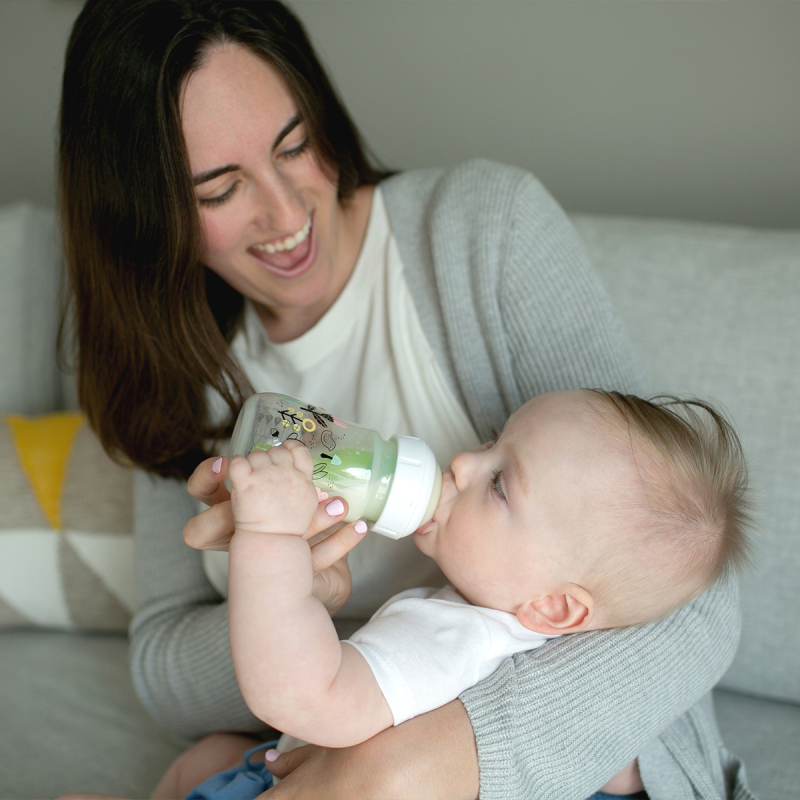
<point x="696" y="502"/>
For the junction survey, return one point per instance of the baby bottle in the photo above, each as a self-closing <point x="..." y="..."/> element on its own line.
<point x="392" y="485"/>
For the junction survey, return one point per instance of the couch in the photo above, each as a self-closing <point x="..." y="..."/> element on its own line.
<point x="713" y="311"/>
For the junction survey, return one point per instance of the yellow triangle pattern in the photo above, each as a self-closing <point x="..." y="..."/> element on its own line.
<point x="43" y="446"/>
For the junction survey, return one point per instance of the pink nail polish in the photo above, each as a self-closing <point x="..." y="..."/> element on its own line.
<point x="216" y="467"/>
<point x="271" y="755"/>
<point x="335" y="507"/>
<point x="360" y="526"/>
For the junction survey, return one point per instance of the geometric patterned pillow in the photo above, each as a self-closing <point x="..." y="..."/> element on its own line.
<point x="66" y="527"/>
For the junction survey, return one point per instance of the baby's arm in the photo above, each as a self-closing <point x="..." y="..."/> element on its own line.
<point x="292" y="670"/>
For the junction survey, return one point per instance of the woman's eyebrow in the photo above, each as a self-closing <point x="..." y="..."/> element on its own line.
<point x="287" y="129"/>
<point x="209" y="175"/>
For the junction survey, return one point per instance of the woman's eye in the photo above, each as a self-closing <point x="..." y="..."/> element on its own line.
<point x="219" y="199"/>
<point x="497" y="487"/>
<point x="296" y="151"/>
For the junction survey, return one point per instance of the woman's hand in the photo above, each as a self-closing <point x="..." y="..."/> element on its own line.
<point x="430" y="757"/>
<point x="329" y="538"/>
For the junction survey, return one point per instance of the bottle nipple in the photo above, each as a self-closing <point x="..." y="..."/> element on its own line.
<point x="414" y="491"/>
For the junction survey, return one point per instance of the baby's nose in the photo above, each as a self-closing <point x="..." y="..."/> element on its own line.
<point x="462" y="467"/>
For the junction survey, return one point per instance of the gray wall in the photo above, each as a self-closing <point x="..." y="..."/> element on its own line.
<point x="688" y="110"/>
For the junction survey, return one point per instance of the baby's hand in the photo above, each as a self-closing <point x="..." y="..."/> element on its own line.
<point x="272" y="490"/>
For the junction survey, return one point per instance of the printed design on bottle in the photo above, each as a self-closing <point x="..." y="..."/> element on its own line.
<point x="349" y="460"/>
<point x="307" y="423"/>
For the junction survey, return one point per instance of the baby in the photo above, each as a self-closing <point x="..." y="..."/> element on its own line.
<point x="591" y="510"/>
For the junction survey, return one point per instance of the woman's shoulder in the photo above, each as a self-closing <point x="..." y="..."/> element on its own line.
<point x="478" y="195"/>
<point x="478" y="198"/>
<point x="474" y="177"/>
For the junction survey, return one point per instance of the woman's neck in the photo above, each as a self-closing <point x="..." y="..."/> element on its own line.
<point x="285" y="324"/>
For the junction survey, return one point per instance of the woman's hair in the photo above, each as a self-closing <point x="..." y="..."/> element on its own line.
<point x="152" y="324"/>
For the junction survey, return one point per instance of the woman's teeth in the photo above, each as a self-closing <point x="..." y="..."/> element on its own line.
<point x="289" y="243"/>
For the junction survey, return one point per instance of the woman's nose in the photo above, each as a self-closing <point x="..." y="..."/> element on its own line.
<point x="279" y="208"/>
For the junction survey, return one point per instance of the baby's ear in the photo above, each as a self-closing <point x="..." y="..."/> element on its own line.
<point x="568" y="609"/>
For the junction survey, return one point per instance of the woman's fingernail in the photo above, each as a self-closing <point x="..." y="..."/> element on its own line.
<point x="360" y="526"/>
<point x="335" y="507"/>
<point x="217" y="465"/>
<point x="271" y="755"/>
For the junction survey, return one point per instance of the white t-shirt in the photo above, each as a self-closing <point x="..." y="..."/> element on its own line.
<point x="426" y="646"/>
<point x="375" y="368"/>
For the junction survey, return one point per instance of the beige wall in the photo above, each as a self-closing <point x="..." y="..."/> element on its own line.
<point x="675" y="109"/>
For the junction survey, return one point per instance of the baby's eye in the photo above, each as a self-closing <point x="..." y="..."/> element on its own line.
<point x="497" y="487"/>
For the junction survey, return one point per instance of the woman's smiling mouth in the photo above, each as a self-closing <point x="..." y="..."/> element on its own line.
<point x="289" y="257"/>
<point x="289" y="243"/>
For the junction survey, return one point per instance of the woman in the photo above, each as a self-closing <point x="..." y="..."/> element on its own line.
<point x="225" y="232"/>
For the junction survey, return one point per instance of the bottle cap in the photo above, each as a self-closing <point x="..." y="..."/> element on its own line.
<point x="410" y="490"/>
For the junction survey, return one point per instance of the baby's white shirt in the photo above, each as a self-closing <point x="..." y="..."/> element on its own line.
<point x="426" y="646"/>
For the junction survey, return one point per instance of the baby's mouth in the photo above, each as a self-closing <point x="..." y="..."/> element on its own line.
<point x="447" y="477"/>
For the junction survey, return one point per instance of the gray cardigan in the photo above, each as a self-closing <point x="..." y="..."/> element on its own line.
<point x="512" y="309"/>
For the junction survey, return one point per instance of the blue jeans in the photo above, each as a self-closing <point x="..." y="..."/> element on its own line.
<point x="604" y="796"/>
<point x="245" y="782"/>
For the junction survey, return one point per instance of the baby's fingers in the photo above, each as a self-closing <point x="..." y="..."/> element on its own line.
<point x="239" y="468"/>
<point x="290" y="453"/>
<point x="327" y="552"/>
<point x="301" y="455"/>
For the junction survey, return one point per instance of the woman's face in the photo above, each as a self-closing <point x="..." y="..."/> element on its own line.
<point x="273" y="228"/>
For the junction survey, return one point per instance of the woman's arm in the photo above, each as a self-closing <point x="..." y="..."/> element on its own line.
<point x="579" y="709"/>
<point x="430" y="757"/>
<point x="180" y="657"/>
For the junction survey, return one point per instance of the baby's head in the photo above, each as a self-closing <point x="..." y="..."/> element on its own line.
<point x="594" y="510"/>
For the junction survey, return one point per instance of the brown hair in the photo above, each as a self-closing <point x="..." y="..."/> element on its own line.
<point x="153" y="325"/>
<point x="696" y="509"/>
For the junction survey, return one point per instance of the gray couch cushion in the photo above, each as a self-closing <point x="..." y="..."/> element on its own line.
<point x="77" y="724"/>
<point x="29" y="287"/>
<point x="714" y="312"/>
<point x="763" y="733"/>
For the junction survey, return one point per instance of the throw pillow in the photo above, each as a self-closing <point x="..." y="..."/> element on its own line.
<point x="66" y="527"/>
